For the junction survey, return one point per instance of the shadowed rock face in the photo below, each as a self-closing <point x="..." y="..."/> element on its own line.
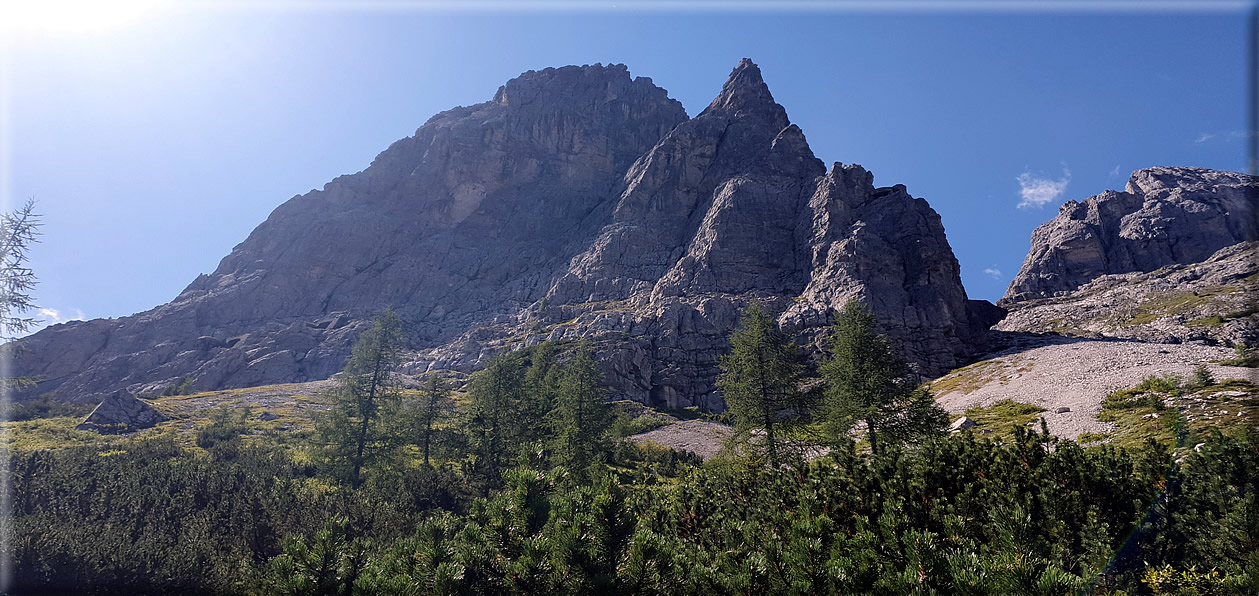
<point x="578" y="203"/>
<point x="1165" y="216"/>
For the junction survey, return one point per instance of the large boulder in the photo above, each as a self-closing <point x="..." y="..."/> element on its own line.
<point x="121" y="412"/>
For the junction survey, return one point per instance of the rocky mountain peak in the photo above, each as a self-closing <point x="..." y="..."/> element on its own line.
<point x="745" y="93"/>
<point x="572" y="85"/>
<point x="1159" y="181"/>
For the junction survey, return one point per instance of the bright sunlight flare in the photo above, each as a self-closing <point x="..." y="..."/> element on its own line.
<point x="72" y="16"/>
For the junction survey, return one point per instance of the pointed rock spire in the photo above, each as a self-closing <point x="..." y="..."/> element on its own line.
<point x="745" y="93"/>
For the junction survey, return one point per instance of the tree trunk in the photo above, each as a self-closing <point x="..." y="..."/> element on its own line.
<point x="367" y="416"/>
<point x="874" y="442"/>
<point x="428" y="424"/>
<point x="767" y="409"/>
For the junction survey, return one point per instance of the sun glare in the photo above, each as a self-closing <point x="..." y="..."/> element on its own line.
<point x="69" y="17"/>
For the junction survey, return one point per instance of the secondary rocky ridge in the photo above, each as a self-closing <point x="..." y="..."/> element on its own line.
<point x="1165" y="216"/>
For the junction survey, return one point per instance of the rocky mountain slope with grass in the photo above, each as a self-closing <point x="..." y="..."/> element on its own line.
<point x="578" y="203"/>
<point x="1124" y="291"/>
<point x="1214" y="301"/>
<point x="1171" y="259"/>
<point x="1068" y="379"/>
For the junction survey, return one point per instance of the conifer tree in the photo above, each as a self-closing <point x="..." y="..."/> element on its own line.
<point x="435" y="398"/>
<point x="541" y="391"/>
<point x="358" y="429"/>
<point x="760" y="381"/>
<point x="18" y="230"/>
<point x="494" y="424"/>
<point x="867" y="382"/>
<point x="582" y="416"/>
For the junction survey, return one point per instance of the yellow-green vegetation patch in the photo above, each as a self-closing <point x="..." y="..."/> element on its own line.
<point x="1133" y="427"/>
<point x="1246" y="357"/>
<point x="1070" y="331"/>
<point x="1211" y="321"/>
<point x="1226" y="406"/>
<point x="48" y="433"/>
<point x="1176" y="412"/>
<point x="1002" y="417"/>
<point x="974" y="376"/>
<point x="1176" y="303"/>
<point x="1092" y="437"/>
<point x="632" y="418"/>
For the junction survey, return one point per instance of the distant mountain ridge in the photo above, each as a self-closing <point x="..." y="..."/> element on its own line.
<point x="578" y="203"/>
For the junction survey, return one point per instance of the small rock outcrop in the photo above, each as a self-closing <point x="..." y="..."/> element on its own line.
<point x="121" y="412"/>
<point x="961" y="424"/>
<point x="1165" y="216"/>
<point x="579" y="203"/>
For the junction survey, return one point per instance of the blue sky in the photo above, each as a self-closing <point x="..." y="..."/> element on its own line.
<point x="154" y="144"/>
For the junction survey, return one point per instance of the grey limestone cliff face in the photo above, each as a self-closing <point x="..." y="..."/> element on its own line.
<point x="1165" y="216"/>
<point x="730" y="207"/>
<point x="579" y="203"/>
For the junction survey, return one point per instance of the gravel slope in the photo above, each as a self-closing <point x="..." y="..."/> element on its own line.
<point x="1076" y="373"/>
<point x="700" y="437"/>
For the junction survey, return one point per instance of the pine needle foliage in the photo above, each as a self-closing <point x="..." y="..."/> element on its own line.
<point x="18" y="230"/>
<point x="760" y="381"/>
<point x="495" y="420"/>
<point x="435" y="401"/>
<point x="361" y="428"/>
<point x="582" y="416"/>
<point x="867" y="382"/>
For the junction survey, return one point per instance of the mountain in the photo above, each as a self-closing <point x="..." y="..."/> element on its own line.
<point x="1171" y="259"/>
<point x="578" y="203"/>
<point x="1165" y="216"/>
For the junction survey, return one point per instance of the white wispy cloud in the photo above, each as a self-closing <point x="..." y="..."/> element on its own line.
<point x="1038" y="191"/>
<point x="1226" y="136"/>
<point x="993" y="272"/>
<point x="52" y="316"/>
<point x="1115" y="172"/>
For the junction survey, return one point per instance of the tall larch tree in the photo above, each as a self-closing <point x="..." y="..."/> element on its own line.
<point x="367" y="393"/>
<point x="760" y="381"/>
<point x="867" y="382"/>
<point x="582" y="415"/>
<point x="494" y="423"/>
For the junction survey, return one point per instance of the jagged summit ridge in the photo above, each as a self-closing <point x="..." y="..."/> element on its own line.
<point x="578" y="203"/>
<point x="574" y="84"/>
